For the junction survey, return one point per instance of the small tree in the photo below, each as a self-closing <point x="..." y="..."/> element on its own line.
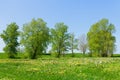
<point x="59" y="38"/>
<point x="82" y="43"/>
<point x="35" y="37"/>
<point x="73" y="43"/>
<point x="10" y="37"/>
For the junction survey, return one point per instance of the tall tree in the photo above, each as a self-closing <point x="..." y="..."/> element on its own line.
<point x="60" y="38"/>
<point x="10" y="37"/>
<point x="73" y="43"/>
<point x="82" y="43"/>
<point x="35" y="37"/>
<point x="101" y="39"/>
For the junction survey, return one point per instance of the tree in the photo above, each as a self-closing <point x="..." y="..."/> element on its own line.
<point x="82" y="43"/>
<point x="60" y="38"/>
<point x="10" y="37"/>
<point x="35" y="37"/>
<point x="73" y="43"/>
<point x="100" y="38"/>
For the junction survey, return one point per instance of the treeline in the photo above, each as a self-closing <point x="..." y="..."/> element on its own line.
<point x="36" y="37"/>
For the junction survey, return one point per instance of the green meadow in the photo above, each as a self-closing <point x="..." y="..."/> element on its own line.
<point x="64" y="68"/>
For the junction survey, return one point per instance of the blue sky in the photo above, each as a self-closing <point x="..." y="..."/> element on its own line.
<point x="79" y="15"/>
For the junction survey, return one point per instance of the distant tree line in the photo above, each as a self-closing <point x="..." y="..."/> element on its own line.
<point x="35" y="37"/>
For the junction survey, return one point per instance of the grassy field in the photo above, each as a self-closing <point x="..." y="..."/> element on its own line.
<point x="49" y="68"/>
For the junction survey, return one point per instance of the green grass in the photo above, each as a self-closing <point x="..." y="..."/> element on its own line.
<point x="3" y="56"/>
<point x="25" y="55"/>
<point x="50" y="68"/>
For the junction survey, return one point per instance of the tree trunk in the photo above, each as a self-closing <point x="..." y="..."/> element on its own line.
<point x="72" y="53"/>
<point x="59" y="53"/>
<point x="104" y="55"/>
<point x="63" y="53"/>
<point x="34" y="56"/>
<point x="83" y="52"/>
